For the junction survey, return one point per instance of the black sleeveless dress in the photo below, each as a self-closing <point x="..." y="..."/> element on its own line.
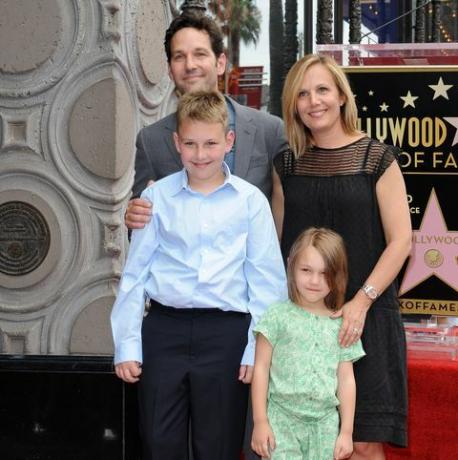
<point x="335" y="188"/>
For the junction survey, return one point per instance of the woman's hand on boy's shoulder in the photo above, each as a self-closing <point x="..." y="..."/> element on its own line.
<point x="128" y="371"/>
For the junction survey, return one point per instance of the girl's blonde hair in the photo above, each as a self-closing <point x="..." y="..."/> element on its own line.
<point x="299" y="136"/>
<point x="331" y="247"/>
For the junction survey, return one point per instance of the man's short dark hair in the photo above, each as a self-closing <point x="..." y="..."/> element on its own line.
<point x="196" y="21"/>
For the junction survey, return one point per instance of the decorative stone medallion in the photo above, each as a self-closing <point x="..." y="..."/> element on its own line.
<point x="24" y="238"/>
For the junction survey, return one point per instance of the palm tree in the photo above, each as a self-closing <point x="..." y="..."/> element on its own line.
<point x="420" y="22"/>
<point x="276" y="55"/>
<point x="324" y="22"/>
<point x="355" y="21"/>
<point x="240" y="21"/>
<point x="290" y="39"/>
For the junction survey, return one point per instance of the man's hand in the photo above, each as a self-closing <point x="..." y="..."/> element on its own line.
<point x="129" y="371"/>
<point x="246" y="373"/>
<point x="138" y="213"/>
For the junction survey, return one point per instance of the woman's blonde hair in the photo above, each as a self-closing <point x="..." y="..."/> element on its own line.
<point x="331" y="247"/>
<point x="299" y="136"/>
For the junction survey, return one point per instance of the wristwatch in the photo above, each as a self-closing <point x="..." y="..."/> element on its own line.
<point x="370" y="291"/>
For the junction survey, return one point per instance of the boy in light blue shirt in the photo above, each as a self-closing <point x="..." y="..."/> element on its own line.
<point x="210" y="262"/>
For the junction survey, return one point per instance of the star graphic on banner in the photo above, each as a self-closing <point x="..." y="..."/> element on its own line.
<point x="434" y="250"/>
<point x="440" y="89"/>
<point x="370" y="92"/>
<point x="454" y="122"/>
<point x="364" y="108"/>
<point x="384" y="107"/>
<point x="409" y="100"/>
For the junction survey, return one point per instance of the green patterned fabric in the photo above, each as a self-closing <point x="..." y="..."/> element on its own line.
<point x="299" y="440"/>
<point x="303" y="377"/>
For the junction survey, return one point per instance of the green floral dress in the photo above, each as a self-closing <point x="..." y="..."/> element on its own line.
<point x="302" y="401"/>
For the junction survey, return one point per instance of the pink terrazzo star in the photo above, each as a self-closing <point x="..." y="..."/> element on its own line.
<point x="434" y="250"/>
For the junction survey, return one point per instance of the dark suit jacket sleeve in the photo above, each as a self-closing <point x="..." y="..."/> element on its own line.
<point x="144" y="169"/>
<point x="277" y="143"/>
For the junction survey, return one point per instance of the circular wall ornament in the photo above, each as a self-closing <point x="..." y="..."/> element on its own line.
<point x="42" y="246"/>
<point x="44" y="38"/>
<point x="146" y="23"/>
<point x="91" y="131"/>
<point x="24" y="238"/>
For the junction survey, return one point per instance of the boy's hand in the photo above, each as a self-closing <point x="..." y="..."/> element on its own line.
<point x="138" y="213"/>
<point x="263" y="439"/>
<point x="129" y="371"/>
<point x="246" y="373"/>
<point x="344" y="446"/>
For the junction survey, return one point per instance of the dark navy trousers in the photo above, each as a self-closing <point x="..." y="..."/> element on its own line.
<point x="191" y="361"/>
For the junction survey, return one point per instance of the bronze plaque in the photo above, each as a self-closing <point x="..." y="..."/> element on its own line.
<point x="24" y="238"/>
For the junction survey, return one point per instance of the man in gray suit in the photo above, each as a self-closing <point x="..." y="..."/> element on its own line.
<point x="194" y="48"/>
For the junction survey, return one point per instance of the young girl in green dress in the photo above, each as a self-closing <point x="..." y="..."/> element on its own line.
<point x="301" y="374"/>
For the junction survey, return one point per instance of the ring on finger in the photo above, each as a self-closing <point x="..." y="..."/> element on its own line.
<point x="355" y="330"/>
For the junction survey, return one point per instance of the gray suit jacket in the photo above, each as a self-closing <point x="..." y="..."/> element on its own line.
<point x="259" y="138"/>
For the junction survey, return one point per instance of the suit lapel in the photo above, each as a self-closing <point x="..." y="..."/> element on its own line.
<point x="245" y="131"/>
<point x="170" y="128"/>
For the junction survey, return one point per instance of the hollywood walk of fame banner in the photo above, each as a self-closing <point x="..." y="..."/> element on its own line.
<point x="416" y="109"/>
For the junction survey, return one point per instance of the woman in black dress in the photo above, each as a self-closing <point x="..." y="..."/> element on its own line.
<point x="335" y="176"/>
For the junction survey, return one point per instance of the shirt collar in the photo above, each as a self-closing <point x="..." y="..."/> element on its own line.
<point x="182" y="182"/>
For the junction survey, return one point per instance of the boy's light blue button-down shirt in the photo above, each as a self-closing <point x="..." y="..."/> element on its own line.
<point x="200" y="251"/>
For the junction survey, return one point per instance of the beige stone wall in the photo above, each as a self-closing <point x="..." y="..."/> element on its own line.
<point x="78" y="79"/>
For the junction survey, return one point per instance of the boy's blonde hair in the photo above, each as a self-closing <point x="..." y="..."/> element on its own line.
<point x="299" y="136"/>
<point x="204" y="106"/>
<point x="331" y="247"/>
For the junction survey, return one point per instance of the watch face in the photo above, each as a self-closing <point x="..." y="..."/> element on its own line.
<point x="372" y="293"/>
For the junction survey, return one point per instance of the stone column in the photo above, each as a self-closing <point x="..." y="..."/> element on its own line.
<point x="78" y="79"/>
